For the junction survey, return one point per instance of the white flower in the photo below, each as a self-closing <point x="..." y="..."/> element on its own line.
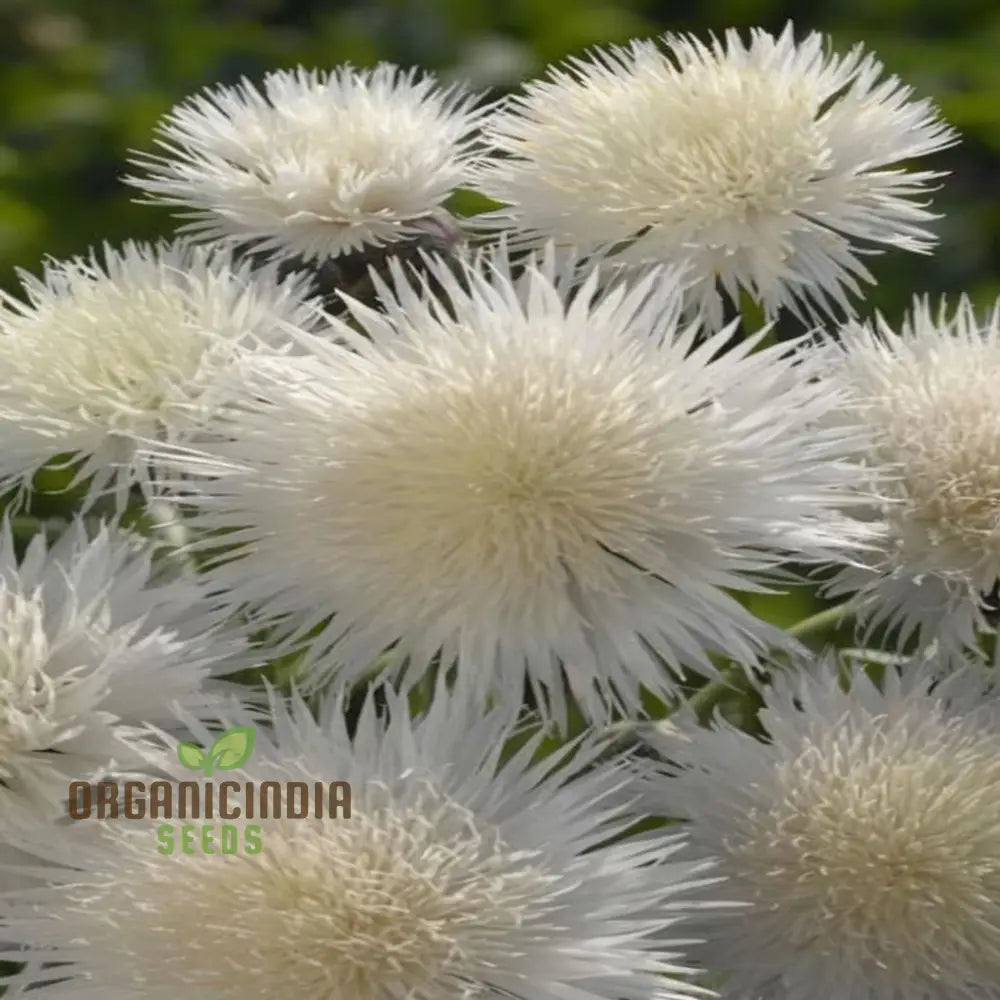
<point x="929" y="402"/>
<point x="458" y="874"/>
<point x="863" y="833"/>
<point x="98" y="351"/>
<point x="763" y="165"/>
<point x="520" y="475"/>
<point x="314" y="164"/>
<point x="95" y="641"/>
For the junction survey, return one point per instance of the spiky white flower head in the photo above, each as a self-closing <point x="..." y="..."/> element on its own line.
<point x="314" y="164"/>
<point x="96" y="640"/>
<point x="524" y="475"/>
<point x="763" y="165"/>
<point x="100" y="350"/>
<point x="457" y="874"/>
<point x="928" y="400"/>
<point x="862" y="833"/>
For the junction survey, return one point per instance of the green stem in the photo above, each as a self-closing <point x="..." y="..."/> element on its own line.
<point x="704" y="701"/>
<point x="822" y="621"/>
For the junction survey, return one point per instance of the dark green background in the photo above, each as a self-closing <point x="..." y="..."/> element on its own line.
<point x="83" y="81"/>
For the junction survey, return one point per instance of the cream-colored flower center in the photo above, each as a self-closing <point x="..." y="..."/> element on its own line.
<point x="414" y="900"/>
<point x="714" y="152"/>
<point x="881" y="847"/>
<point x="114" y="352"/>
<point x="691" y="148"/>
<point x="941" y="435"/>
<point x="512" y="474"/>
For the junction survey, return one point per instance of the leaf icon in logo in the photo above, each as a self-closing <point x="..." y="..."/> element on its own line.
<point x="231" y="749"/>
<point x="191" y="755"/>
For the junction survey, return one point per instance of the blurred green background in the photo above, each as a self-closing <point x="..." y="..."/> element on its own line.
<point x="83" y="81"/>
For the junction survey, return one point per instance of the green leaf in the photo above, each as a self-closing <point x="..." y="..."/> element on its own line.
<point x="232" y="748"/>
<point x="191" y="755"/>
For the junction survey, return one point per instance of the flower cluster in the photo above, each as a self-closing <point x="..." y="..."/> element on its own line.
<point x="401" y="638"/>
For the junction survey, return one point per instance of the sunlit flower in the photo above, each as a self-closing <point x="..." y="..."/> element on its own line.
<point x="537" y="480"/>
<point x="314" y="164"/>
<point x="459" y="872"/>
<point x="862" y="834"/>
<point x="763" y="165"/>
<point x="101" y="350"/>
<point x="928" y="400"/>
<point x="95" y="640"/>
